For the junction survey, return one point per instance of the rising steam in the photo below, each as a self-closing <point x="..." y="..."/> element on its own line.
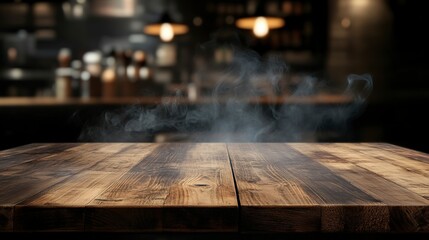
<point x="228" y="118"/>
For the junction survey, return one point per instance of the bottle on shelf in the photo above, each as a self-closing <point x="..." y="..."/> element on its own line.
<point x="137" y="72"/>
<point x="63" y="83"/>
<point x="64" y="58"/>
<point x="130" y="81"/>
<point x="121" y="73"/>
<point x="143" y="74"/>
<point x="109" y="78"/>
<point x="126" y="82"/>
<point x="90" y="77"/>
<point x="63" y="75"/>
<point x="76" y="66"/>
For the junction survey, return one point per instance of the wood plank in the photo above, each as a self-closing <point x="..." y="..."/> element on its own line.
<point x="277" y="184"/>
<point x="78" y="190"/>
<point x="169" y="190"/>
<point x="19" y="158"/>
<point x="15" y="189"/>
<point x="36" y="168"/>
<point x="98" y="174"/>
<point x="407" y="204"/>
<point x="406" y="152"/>
<point x="260" y="184"/>
<point x="380" y="188"/>
<point x="82" y="184"/>
<point x="66" y="163"/>
<point x="124" y="158"/>
<point x="403" y="172"/>
<point x="30" y="152"/>
<point x="37" y="148"/>
<point x="62" y="207"/>
<point x="409" y="163"/>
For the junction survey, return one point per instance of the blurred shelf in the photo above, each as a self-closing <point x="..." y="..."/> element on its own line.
<point x="317" y="99"/>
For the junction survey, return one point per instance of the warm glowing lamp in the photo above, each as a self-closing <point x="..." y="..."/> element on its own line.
<point x="165" y="28"/>
<point x="259" y="23"/>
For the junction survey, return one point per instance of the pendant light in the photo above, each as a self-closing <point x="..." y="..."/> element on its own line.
<point x="166" y="28"/>
<point x="259" y="22"/>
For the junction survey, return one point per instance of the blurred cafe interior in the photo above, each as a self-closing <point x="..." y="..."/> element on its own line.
<point x="219" y="70"/>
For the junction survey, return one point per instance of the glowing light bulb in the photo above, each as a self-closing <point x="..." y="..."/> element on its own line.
<point x="166" y="34"/>
<point x="260" y="29"/>
<point x="360" y="3"/>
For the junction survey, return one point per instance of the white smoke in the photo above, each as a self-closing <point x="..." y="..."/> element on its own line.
<point x="228" y="118"/>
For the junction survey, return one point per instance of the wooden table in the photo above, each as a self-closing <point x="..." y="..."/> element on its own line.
<point x="214" y="187"/>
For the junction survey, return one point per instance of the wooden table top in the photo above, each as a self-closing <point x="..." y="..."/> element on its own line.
<point x="214" y="187"/>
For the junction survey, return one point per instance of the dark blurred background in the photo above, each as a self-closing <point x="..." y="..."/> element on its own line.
<point x="65" y="63"/>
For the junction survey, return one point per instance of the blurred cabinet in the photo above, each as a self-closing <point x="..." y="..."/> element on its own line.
<point x="37" y="18"/>
<point x="30" y="29"/>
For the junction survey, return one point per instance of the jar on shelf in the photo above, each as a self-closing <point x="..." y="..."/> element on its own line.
<point x="63" y="82"/>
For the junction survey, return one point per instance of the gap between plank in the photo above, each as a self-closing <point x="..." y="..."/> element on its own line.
<point x="236" y="188"/>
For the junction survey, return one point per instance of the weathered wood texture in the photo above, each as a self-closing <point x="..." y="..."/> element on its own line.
<point x="189" y="187"/>
<point x="117" y="187"/>
<point x="324" y="187"/>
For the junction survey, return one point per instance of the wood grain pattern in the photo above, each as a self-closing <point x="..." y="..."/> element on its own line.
<point x="277" y="167"/>
<point x="54" y="166"/>
<point x="189" y="187"/>
<point x="387" y="191"/>
<point x="410" y="174"/>
<point x="197" y="176"/>
<point x="400" y="180"/>
<point x="117" y="187"/>
<point x="330" y="188"/>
